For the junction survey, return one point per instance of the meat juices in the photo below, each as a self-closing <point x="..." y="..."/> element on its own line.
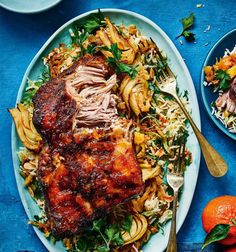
<point x="87" y="164"/>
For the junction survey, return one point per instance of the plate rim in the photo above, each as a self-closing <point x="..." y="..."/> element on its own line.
<point x="207" y="106"/>
<point x="5" y="6"/>
<point x="191" y="87"/>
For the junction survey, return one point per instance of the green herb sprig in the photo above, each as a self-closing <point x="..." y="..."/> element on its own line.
<point x="91" y="23"/>
<point x="102" y="235"/>
<point x="224" y="79"/>
<point x="81" y="31"/>
<point x="33" y="86"/>
<point x="187" y="24"/>
<point x="115" y="61"/>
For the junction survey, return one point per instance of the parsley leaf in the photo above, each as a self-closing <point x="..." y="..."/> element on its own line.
<point x="123" y="68"/>
<point x="88" y="25"/>
<point x="91" y="23"/>
<point x="187" y="24"/>
<point x="91" y="48"/>
<point x="127" y="223"/>
<point x="189" y="36"/>
<point x="103" y="235"/>
<point x="78" y="38"/>
<point x="120" y="67"/>
<point x="224" y="79"/>
<point x="33" y="86"/>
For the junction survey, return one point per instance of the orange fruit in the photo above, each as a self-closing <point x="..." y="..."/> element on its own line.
<point x="230" y="249"/>
<point x="221" y="210"/>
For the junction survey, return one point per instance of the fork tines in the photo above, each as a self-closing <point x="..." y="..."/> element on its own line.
<point x="178" y="163"/>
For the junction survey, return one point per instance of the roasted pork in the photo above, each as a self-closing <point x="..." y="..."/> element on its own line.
<point x="88" y="164"/>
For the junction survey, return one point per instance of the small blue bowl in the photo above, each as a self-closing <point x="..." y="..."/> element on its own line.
<point x="228" y="41"/>
<point x="28" y="6"/>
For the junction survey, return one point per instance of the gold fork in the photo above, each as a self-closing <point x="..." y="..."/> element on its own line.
<point x="215" y="163"/>
<point x="175" y="179"/>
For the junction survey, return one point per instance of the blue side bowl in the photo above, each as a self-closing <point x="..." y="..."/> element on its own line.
<point x="228" y="41"/>
<point x="28" y="6"/>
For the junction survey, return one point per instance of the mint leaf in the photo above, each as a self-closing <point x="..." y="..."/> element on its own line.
<point x="224" y="79"/>
<point x="218" y="233"/>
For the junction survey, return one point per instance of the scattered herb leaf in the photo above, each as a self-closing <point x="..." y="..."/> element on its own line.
<point x="187" y="24"/>
<point x="153" y="87"/>
<point x="80" y="31"/>
<point x="189" y="36"/>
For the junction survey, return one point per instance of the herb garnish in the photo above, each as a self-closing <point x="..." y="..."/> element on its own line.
<point x="91" y="23"/>
<point x="78" y="38"/>
<point x="33" y="86"/>
<point x="102" y="235"/>
<point x="91" y="48"/>
<point x="80" y="31"/>
<point x="224" y="79"/>
<point x="187" y="24"/>
<point x="115" y="61"/>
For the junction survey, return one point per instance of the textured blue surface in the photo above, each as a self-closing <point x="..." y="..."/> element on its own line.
<point x="21" y="36"/>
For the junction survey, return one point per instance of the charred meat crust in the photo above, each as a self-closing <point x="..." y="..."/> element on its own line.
<point x="82" y="175"/>
<point x="79" y="186"/>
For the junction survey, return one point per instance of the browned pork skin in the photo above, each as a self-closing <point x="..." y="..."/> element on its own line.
<point x="88" y="163"/>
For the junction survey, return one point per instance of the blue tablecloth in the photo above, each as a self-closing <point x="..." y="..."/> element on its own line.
<point x="21" y="36"/>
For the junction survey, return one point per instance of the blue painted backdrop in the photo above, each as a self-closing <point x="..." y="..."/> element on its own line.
<point x="21" y="36"/>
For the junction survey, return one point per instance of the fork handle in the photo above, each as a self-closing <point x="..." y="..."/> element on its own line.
<point x="172" y="243"/>
<point x="215" y="163"/>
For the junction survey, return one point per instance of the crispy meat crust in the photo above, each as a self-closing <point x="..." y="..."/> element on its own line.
<point x="82" y="175"/>
<point x="83" y="184"/>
